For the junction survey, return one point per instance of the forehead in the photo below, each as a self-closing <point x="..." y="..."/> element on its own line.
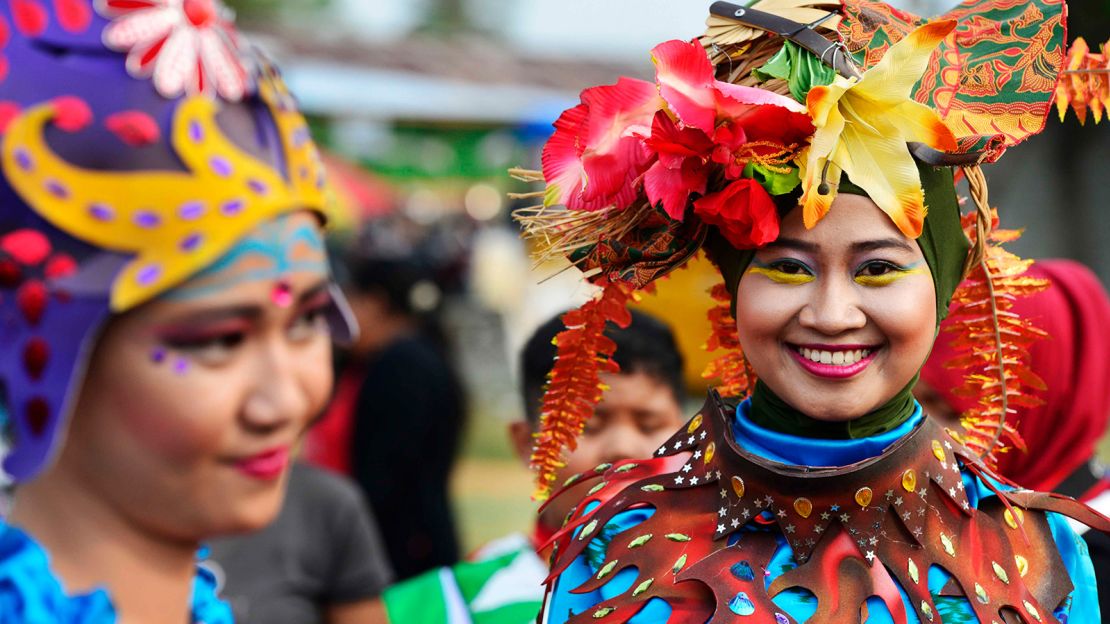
<point x="287" y="246"/>
<point x="851" y="218"/>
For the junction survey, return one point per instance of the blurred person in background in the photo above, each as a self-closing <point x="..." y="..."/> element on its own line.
<point x="321" y="562"/>
<point x="166" y="304"/>
<point x="1062" y="434"/>
<point x="501" y="583"/>
<point x="398" y="414"/>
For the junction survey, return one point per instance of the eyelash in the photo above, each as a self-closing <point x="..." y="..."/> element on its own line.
<point x="794" y="272"/>
<point x="891" y="274"/>
<point x="232" y="339"/>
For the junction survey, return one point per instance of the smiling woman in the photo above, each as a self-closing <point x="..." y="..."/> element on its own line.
<point x="808" y="150"/>
<point x="165" y="302"/>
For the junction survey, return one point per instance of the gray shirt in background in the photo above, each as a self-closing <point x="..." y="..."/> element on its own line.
<point x="323" y="549"/>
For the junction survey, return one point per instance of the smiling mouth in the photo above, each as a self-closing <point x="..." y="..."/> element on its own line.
<point x="834" y="361"/>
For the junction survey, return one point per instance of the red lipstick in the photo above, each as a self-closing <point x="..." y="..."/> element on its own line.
<point x="267" y="465"/>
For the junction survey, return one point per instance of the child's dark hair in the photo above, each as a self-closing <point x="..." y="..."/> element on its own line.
<point x="645" y="346"/>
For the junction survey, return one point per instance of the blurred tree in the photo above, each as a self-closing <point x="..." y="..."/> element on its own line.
<point x="266" y="10"/>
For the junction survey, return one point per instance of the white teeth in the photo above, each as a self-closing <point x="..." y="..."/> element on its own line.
<point x="835" y="358"/>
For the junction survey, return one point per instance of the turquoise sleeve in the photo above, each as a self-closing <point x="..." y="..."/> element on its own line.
<point x="1083" y="607"/>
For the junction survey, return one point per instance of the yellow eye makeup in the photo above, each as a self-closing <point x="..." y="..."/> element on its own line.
<point x="781" y="277"/>
<point x="888" y="278"/>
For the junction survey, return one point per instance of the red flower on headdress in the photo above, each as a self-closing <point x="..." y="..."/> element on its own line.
<point x="185" y="46"/>
<point x="743" y="212"/>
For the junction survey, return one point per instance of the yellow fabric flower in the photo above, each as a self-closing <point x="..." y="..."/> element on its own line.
<point x="863" y="126"/>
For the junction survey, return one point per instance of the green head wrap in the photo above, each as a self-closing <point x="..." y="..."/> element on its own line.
<point x="944" y="246"/>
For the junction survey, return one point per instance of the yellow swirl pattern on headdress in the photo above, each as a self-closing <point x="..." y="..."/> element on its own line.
<point x="174" y="222"/>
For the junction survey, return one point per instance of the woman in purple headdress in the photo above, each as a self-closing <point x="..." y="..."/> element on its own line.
<point x="166" y="308"/>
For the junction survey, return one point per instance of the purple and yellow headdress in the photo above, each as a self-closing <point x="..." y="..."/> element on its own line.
<point x="780" y="104"/>
<point x="139" y="140"/>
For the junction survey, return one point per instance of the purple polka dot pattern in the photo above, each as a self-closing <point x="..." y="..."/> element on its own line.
<point x="196" y="131"/>
<point x="56" y="189"/>
<point x="147" y="219"/>
<point x="220" y="166"/>
<point x="191" y="242"/>
<point x="101" y="212"/>
<point x="258" y="186"/>
<point x="148" y="274"/>
<point x="23" y="159"/>
<point x="191" y="211"/>
<point x="232" y="208"/>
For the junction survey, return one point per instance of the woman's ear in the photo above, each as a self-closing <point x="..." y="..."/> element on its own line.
<point x="521" y="437"/>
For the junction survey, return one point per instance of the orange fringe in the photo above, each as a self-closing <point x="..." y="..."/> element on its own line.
<point x="735" y="376"/>
<point x="993" y="344"/>
<point x="574" y="384"/>
<point x="1085" y="82"/>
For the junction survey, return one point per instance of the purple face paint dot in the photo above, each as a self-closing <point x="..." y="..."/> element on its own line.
<point x="220" y="166"/>
<point x="190" y="211"/>
<point x="258" y="186"/>
<point x="196" y="131"/>
<point x="101" y="212"/>
<point x="147" y="219"/>
<point x="181" y="366"/>
<point x="56" y="189"/>
<point x="191" y="242"/>
<point x="148" y="274"/>
<point x="158" y="355"/>
<point x="232" y="208"/>
<point x="23" y="159"/>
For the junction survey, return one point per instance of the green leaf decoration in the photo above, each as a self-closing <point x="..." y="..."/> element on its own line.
<point x="639" y="541"/>
<point x="774" y="182"/>
<point x="800" y="68"/>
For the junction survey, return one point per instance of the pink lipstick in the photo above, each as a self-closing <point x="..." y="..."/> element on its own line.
<point x="267" y="465"/>
<point x="834" y="361"/>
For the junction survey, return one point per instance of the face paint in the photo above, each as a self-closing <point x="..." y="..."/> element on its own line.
<point x="774" y="272"/>
<point x="272" y="252"/>
<point x="158" y="355"/>
<point x="282" y="294"/>
<point x="892" y="273"/>
<point x="181" y="366"/>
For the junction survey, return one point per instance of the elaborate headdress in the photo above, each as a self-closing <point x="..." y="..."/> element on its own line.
<point x="139" y="140"/>
<point x="772" y="108"/>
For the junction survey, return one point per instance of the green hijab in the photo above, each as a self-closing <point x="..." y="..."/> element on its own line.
<point x="944" y="246"/>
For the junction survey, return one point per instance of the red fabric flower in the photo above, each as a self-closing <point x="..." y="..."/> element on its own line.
<point x="744" y="213"/>
<point x="681" y="168"/>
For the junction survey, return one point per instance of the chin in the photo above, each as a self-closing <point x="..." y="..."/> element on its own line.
<point x="249" y="514"/>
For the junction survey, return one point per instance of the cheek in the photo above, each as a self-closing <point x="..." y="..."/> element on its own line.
<point x="763" y="312"/>
<point x="908" y="321"/>
<point x="316" y="375"/>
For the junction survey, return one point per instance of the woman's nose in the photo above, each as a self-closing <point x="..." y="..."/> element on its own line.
<point x="278" y="397"/>
<point x="834" y="310"/>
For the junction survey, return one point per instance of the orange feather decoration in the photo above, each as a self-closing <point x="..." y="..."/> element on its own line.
<point x="574" y="385"/>
<point x="992" y="343"/>
<point x="1085" y="82"/>
<point x="735" y="376"/>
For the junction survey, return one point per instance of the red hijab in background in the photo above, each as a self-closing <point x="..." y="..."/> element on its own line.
<point x="1074" y="362"/>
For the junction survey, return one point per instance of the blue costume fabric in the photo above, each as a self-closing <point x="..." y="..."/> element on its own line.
<point x="30" y="593"/>
<point x="1080" y="608"/>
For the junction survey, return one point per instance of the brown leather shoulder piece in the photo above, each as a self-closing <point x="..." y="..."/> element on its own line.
<point x="856" y="531"/>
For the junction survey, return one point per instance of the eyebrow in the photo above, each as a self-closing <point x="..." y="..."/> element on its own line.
<point x="248" y="311"/>
<point x="856" y="247"/>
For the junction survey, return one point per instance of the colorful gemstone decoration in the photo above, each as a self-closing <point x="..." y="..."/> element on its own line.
<point x="597" y="488"/>
<point x="1032" y="610"/>
<point x="652" y="487"/>
<point x="743" y="571"/>
<point x="602" y="612"/>
<point x="981" y="594"/>
<point x="947" y="544"/>
<point x="677" y="537"/>
<point x="1010" y="517"/>
<point x="803" y="506"/>
<point x="864" y="496"/>
<point x="913" y="571"/>
<point x="1000" y="572"/>
<point x="640" y="541"/>
<point x="741" y="604"/>
<point x="625" y="468"/>
<point x="909" y="480"/>
<point x="678" y="565"/>
<point x="710" y="451"/>
<point x="642" y="587"/>
<point x="738" y="487"/>
<point x="571" y="480"/>
<point x="589" y="528"/>
<point x="1022" y="565"/>
<point x="695" y="422"/>
<point x="602" y="468"/>
<point x="927" y="611"/>
<point x="606" y="569"/>
<point x="938" y="450"/>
